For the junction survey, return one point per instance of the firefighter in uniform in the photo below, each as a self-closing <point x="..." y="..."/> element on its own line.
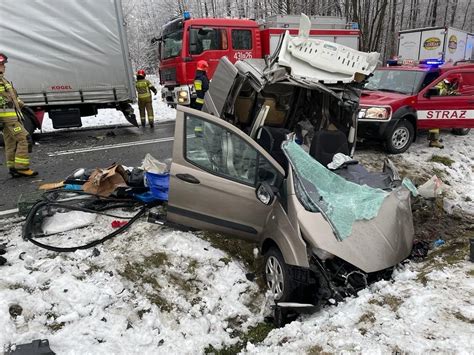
<point x="446" y="87"/>
<point x="14" y="133"/>
<point x="201" y="84"/>
<point x="144" y="88"/>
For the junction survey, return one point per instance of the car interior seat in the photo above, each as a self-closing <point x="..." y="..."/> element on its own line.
<point x="243" y="108"/>
<point x="278" y="103"/>
<point x="326" y="143"/>
<point x="270" y="139"/>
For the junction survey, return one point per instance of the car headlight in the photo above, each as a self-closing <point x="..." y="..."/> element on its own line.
<point x="377" y="113"/>
<point x="183" y="94"/>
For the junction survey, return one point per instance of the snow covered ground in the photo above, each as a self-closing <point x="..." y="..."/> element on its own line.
<point x="155" y="290"/>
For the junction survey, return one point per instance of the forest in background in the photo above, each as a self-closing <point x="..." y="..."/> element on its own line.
<point x="379" y="20"/>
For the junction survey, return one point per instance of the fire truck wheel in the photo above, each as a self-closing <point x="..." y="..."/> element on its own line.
<point x="461" y="131"/>
<point x="400" y="138"/>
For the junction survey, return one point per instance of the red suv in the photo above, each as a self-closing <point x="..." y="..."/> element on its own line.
<point x="400" y="99"/>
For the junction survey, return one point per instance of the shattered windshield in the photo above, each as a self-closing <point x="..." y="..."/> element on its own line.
<point x="172" y="44"/>
<point x="321" y="190"/>
<point x="400" y="81"/>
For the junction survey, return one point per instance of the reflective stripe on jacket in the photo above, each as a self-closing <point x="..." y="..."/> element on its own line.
<point x="143" y="87"/>
<point x="201" y="85"/>
<point x="8" y="115"/>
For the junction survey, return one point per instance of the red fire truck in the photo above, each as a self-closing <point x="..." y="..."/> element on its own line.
<point x="185" y="41"/>
<point x="403" y="97"/>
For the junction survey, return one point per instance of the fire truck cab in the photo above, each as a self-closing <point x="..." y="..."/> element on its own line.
<point x="403" y="97"/>
<point x="186" y="41"/>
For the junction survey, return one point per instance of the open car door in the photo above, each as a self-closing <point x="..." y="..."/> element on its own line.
<point x="215" y="171"/>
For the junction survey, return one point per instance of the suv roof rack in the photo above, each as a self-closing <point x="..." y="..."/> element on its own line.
<point x="464" y="61"/>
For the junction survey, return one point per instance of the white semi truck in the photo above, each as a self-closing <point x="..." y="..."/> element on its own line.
<point x="67" y="58"/>
<point x="445" y="43"/>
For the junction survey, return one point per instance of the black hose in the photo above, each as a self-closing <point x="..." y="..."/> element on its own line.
<point x="27" y="232"/>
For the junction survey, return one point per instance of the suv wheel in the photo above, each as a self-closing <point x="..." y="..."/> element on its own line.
<point x="277" y="276"/>
<point x="400" y="138"/>
<point x="461" y="131"/>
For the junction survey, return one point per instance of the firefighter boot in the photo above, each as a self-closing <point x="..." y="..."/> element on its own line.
<point x="435" y="141"/>
<point x="143" y="122"/>
<point x="22" y="172"/>
<point x="152" y="122"/>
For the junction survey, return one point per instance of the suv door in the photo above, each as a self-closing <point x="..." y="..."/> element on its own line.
<point x="214" y="174"/>
<point x="453" y="110"/>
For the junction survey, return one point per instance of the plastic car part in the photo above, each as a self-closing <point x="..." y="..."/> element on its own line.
<point x="36" y="347"/>
<point x="325" y="61"/>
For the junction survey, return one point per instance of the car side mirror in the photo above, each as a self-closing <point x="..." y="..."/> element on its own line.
<point x="265" y="193"/>
<point x="432" y="92"/>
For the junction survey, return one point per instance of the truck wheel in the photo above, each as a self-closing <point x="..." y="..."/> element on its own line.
<point x="400" y="138"/>
<point x="277" y="276"/>
<point x="461" y="131"/>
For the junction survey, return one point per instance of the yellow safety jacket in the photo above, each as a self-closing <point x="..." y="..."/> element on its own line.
<point x="9" y="102"/>
<point x="143" y="87"/>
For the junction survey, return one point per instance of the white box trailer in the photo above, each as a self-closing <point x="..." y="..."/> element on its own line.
<point x="446" y="43"/>
<point x="68" y="57"/>
<point x="327" y="28"/>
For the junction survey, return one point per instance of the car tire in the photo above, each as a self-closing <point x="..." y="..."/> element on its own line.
<point x="400" y="138"/>
<point x="277" y="276"/>
<point x="461" y="131"/>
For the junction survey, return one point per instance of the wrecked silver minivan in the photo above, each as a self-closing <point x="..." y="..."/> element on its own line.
<point x="255" y="166"/>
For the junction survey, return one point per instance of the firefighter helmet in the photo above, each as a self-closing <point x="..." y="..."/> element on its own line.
<point x="3" y="58"/>
<point x="202" y="65"/>
<point x="141" y="72"/>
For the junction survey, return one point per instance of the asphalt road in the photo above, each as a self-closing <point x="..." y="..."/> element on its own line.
<point x="60" y="153"/>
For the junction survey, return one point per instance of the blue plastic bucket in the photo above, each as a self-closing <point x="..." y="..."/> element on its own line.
<point x="158" y="185"/>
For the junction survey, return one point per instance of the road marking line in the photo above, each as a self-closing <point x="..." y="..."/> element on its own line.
<point x="110" y="146"/>
<point x="7" y="212"/>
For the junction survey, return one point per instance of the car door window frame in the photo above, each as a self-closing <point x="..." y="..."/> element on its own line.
<point x="441" y="78"/>
<point x="240" y="135"/>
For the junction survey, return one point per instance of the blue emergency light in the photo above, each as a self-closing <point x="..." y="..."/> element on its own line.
<point x="186" y="15"/>
<point x="432" y="62"/>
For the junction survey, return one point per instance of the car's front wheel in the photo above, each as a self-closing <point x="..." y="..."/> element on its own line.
<point x="277" y="276"/>
<point x="400" y="137"/>
<point x="461" y="131"/>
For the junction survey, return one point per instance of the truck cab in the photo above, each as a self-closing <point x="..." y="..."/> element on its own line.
<point x="185" y="41"/>
<point x="401" y="98"/>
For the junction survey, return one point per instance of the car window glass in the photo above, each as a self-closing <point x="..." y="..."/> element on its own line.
<point x="205" y="39"/>
<point x="401" y="81"/>
<point x="172" y="44"/>
<point x="466" y="84"/>
<point x="429" y="78"/>
<point x="241" y="39"/>
<point x="220" y="151"/>
<point x="456" y="84"/>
